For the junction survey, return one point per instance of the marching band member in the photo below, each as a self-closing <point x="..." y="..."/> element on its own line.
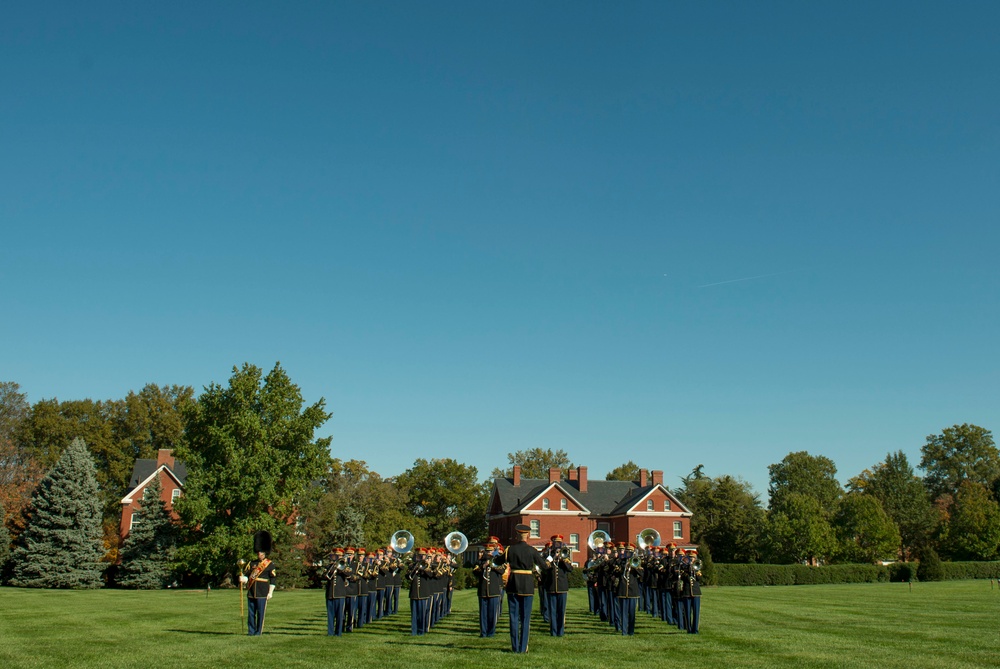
<point x="336" y="593"/>
<point x="259" y="582"/>
<point x="419" y="593"/>
<point x="558" y="583"/>
<point x="522" y="559"/>
<point x="490" y="587"/>
<point x="629" y="572"/>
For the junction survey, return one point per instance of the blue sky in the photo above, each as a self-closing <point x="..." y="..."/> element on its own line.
<point x="676" y="233"/>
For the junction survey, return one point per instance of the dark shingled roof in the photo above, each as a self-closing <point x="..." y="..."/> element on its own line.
<point x="603" y="498"/>
<point x="144" y="467"/>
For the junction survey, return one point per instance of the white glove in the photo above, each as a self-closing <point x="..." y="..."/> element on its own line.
<point x="548" y="559"/>
<point x="243" y="579"/>
<point x="270" y="591"/>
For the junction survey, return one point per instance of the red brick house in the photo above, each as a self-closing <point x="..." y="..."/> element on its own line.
<point x="575" y="507"/>
<point x="172" y="474"/>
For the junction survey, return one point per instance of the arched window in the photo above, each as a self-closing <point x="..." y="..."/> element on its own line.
<point x="545" y="503"/>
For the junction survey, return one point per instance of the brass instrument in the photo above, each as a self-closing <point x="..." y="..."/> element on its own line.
<point x="648" y="538"/>
<point x="401" y="542"/>
<point x="566" y="553"/>
<point x="456" y="543"/>
<point x="597" y="539"/>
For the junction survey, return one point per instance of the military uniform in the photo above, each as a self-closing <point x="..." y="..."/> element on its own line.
<point x="260" y="582"/>
<point x="336" y="594"/>
<point x="628" y="591"/>
<point x="558" y="587"/>
<point x="352" y="589"/>
<point x="522" y="560"/>
<point x="691" y="592"/>
<point x="419" y="594"/>
<point x="489" y="580"/>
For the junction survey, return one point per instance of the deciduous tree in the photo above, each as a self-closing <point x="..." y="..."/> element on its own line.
<point x="960" y="453"/>
<point x="904" y="498"/>
<point x="625" y="472"/>
<point x="535" y="463"/>
<point x="439" y="491"/>
<point x="251" y="455"/>
<point x="973" y="531"/>
<point x="865" y="532"/>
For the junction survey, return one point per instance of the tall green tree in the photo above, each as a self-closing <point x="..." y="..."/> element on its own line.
<point x="804" y="474"/>
<point x="378" y="508"/>
<point x="61" y="547"/>
<point x="973" y="530"/>
<point x="865" y="532"/>
<point x="729" y="518"/>
<point x="14" y="408"/>
<point x="439" y="490"/>
<point x="251" y="454"/>
<point x="535" y="463"/>
<point x="960" y="453"/>
<point x="148" y="554"/>
<point x="799" y="531"/>
<point x="904" y="498"/>
<point x="624" y="472"/>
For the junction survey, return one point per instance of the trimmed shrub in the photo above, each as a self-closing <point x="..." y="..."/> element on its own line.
<point x="902" y="572"/>
<point x="930" y="568"/>
<point x="954" y="571"/>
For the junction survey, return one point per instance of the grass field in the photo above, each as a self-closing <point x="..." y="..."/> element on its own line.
<point x="951" y="625"/>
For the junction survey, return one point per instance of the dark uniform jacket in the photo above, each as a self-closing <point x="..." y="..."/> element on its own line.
<point x="490" y="579"/>
<point x="628" y="580"/>
<point x="353" y="580"/>
<point x="336" y="583"/>
<point x="259" y="587"/>
<point x="420" y="585"/>
<point x="690" y="581"/>
<point x="558" y="581"/>
<point x="522" y="559"/>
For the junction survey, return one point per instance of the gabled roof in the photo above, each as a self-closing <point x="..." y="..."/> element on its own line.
<point x="144" y="467"/>
<point x="541" y="490"/>
<point x="640" y="494"/>
<point x="603" y="498"/>
<point x="178" y="473"/>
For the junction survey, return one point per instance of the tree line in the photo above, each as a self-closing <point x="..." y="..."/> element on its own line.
<point x="254" y="462"/>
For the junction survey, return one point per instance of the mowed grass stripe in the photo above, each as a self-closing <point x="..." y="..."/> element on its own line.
<point x="953" y="624"/>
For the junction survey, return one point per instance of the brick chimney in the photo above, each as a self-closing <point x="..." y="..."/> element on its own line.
<point x="517" y="476"/>
<point x="657" y="476"/>
<point x="581" y="473"/>
<point x="555" y="474"/>
<point x="573" y="475"/>
<point x="164" y="456"/>
<point x="643" y="478"/>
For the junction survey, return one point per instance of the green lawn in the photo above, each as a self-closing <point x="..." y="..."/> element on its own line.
<point x="950" y="625"/>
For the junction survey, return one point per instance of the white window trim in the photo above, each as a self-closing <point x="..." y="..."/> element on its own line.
<point x="678" y="530"/>
<point x="563" y="504"/>
<point x="536" y="529"/>
<point x="545" y="504"/>
<point x="134" y="520"/>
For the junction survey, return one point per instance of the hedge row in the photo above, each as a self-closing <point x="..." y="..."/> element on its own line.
<point x="800" y="574"/>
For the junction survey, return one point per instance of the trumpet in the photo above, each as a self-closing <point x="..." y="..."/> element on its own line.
<point x="565" y="553"/>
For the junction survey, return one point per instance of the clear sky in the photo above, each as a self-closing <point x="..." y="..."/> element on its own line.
<point x="671" y="232"/>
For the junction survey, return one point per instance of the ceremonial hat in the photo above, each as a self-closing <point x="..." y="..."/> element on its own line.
<point x="494" y="540"/>
<point x="350" y="549"/>
<point x="521" y="528"/>
<point x="362" y="550"/>
<point x="631" y="545"/>
<point x="339" y="551"/>
<point x="262" y="542"/>
<point x="557" y="537"/>
<point x="548" y="544"/>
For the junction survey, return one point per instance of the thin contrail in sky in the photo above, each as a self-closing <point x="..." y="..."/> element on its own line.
<point x="748" y="278"/>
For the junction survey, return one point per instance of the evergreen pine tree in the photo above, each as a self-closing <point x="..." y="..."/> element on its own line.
<point x="148" y="553"/>
<point x="62" y="545"/>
